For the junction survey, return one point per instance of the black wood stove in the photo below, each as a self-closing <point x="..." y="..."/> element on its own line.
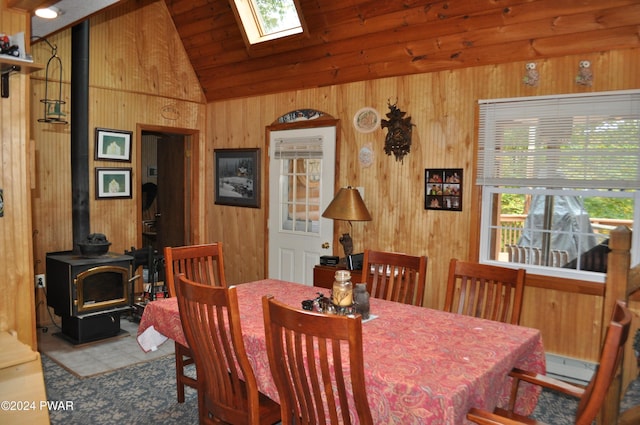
<point x="88" y="293"/>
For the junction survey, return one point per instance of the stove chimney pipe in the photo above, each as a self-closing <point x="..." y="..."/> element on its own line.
<point x="80" y="133"/>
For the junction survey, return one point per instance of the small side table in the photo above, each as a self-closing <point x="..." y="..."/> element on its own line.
<point x="323" y="276"/>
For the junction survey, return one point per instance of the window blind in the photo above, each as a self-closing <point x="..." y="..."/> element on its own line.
<point x="575" y="141"/>
<point x="292" y="148"/>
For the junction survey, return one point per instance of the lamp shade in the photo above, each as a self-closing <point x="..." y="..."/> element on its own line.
<point x="347" y="205"/>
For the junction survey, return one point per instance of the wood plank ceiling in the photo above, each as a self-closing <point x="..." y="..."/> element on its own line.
<point x="358" y="40"/>
<point x="354" y="40"/>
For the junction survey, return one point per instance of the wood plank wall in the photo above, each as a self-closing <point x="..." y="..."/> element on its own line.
<point x="442" y="106"/>
<point x="16" y="294"/>
<point x="137" y="81"/>
<point x="135" y="75"/>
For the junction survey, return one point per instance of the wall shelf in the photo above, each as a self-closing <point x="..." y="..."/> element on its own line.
<point x="9" y="64"/>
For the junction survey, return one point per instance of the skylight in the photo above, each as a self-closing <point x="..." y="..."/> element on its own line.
<point x="264" y="20"/>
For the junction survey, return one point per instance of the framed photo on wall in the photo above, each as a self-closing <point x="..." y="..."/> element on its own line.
<point x="237" y="177"/>
<point x="443" y="189"/>
<point x="113" y="145"/>
<point x="113" y="183"/>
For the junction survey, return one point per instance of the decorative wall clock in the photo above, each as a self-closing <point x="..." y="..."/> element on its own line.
<point x="366" y="120"/>
<point x="399" y="129"/>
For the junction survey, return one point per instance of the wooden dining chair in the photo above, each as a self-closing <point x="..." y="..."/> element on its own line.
<point x="395" y="277"/>
<point x="211" y="322"/>
<point x="591" y="398"/>
<point x="200" y="263"/>
<point x="305" y="351"/>
<point x="484" y="290"/>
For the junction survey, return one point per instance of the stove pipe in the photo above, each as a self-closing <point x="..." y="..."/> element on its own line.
<point x="80" y="133"/>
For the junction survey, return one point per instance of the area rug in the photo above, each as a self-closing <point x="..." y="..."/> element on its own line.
<point x="142" y="394"/>
<point x="99" y="357"/>
<point x="145" y="394"/>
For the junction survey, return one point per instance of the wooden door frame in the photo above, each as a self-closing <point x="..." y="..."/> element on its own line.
<point x="194" y="221"/>
<point x="325" y="120"/>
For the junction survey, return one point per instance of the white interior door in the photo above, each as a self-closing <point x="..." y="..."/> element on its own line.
<point x="301" y="179"/>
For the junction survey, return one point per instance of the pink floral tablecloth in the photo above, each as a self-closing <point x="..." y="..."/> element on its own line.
<point x="422" y="366"/>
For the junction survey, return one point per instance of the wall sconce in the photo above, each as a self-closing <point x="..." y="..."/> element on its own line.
<point x="585" y="74"/>
<point x="52" y="106"/>
<point x="347" y="205"/>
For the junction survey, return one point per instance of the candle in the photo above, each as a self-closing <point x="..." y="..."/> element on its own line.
<point x="342" y="289"/>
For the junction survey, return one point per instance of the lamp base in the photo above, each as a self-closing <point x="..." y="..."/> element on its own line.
<point x="347" y="244"/>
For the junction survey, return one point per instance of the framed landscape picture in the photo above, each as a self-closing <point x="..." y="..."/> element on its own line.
<point x="443" y="189"/>
<point x="113" y="145"/>
<point x="237" y="177"/>
<point x="113" y="183"/>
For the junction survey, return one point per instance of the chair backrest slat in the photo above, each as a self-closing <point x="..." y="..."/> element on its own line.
<point x="394" y="276"/>
<point x="486" y="291"/>
<point x="200" y="263"/>
<point x="306" y="354"/>
<point x="211" y="322"/>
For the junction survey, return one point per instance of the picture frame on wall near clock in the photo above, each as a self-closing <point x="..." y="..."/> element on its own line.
<point x="443" y="189"/>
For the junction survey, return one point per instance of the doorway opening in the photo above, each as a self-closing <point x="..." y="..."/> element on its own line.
<point x="165" y="183"/>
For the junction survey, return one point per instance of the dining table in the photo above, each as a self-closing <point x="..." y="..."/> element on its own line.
<point x="422" y="365"/>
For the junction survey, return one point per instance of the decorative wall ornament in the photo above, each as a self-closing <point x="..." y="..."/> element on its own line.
<point x="366" y="120"/>
<point x="585" y="74"/>
<point x="398" y="140"/>
<point x="365" y="156"/>
<point x="170" y="112"/>
<point x="532" y="76"/>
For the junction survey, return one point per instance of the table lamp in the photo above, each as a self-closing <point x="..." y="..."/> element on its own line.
<point x="349" y="206"/>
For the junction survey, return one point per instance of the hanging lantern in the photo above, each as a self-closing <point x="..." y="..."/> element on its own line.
<point x="53" y="106"/>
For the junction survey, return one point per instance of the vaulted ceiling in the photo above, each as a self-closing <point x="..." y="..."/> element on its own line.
<point x="353" y="40"/>
<point x="356" y="40"/>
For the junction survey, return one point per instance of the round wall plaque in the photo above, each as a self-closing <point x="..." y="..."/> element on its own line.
<point x="366" y="120"/>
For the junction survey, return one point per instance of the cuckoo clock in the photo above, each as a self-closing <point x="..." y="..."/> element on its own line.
<point x="399" y="128"/>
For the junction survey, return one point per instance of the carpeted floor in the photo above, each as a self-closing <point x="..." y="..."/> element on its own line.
<point x="145" y="394"/>
<point x="140" y="394"/>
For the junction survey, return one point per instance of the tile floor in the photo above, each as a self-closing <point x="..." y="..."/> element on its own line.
<point x="101" y="356"/>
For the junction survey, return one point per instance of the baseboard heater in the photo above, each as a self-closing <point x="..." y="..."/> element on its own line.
<point x="568" y="369"/>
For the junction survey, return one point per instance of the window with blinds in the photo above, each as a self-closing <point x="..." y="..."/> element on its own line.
<point x="558" y="172"/>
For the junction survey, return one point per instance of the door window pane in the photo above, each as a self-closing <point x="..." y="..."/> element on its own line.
<point x="300" y="202"/>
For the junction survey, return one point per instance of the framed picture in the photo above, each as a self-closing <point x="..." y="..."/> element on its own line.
<point x="443" y="189"/>
<point x="112" y="183"/>
<point x="113" y="145"/>
<point x="237" y="177"/>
